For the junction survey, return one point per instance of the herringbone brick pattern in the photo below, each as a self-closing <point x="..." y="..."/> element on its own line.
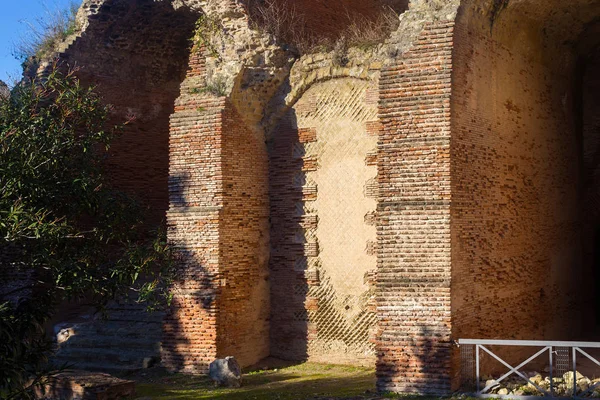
<point x="327" y="188"/>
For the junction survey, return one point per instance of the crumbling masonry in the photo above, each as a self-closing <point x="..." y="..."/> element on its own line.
<point x="439" y="185"/>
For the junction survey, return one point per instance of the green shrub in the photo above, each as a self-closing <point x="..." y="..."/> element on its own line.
<point x="62" y="222"/>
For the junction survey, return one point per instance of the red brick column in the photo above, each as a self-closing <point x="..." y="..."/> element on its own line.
<point x="413" y="228"/>
<point x="218" y="225"/>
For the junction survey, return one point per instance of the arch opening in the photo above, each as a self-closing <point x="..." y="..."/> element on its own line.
<point x="323" y="200"/>
<point x="524" y="237"/>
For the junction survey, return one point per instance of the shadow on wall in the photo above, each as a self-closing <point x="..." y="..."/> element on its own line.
<point x="420" y="366"/>
<point x="134" y="52"/>
<point x="290" y="255"/>
<point x="185" y="347"/>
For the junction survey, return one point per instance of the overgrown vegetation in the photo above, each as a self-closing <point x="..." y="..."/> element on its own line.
<point x="206" y="29"/>
<point x="45" y="33"/>
<point x="216" y="86"/>
<point x="284" y="21"/>
<point x="65" y="233"/>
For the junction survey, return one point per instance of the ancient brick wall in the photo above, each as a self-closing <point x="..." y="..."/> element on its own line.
<point x="410" y="205"/>
<point x="413" y="217"/>
<point x="515" y="186"/>
<point x="136" y="59"/>
<point x="516" y="181"/>
<point x="244" y="312"/>
<point x="196" y="199"/>
<point x="323" y="192"/>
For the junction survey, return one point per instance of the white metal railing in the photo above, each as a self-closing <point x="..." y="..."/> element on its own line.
<point x="549" y="347"/>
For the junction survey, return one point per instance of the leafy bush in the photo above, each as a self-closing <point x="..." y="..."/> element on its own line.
<point x="62" y="223"/>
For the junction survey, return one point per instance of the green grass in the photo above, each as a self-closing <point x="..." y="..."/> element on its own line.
<point x="305" y="381"/>
<point x="308" y="381"/>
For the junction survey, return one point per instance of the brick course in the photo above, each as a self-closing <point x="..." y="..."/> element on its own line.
<point x="413" y="217"/>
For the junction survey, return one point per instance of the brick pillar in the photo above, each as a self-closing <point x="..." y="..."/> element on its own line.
<point x="413" y="227"/>
<point x="218" y="225"/>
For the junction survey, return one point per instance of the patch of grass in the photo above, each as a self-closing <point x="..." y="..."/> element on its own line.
<point x="216" y="86"/>
<point x="304" y="381"/>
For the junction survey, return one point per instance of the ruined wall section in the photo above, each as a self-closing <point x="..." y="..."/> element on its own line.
<point x="516" y="183"/>
<point x="413" y="216"/>
<point x="218" y="223"/>
<point x="196" y="201"/>
<point x="136" y="61"/>
<point x="136" y="52"/>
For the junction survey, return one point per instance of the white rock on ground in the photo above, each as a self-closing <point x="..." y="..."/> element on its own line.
<point x="225" y="372"/>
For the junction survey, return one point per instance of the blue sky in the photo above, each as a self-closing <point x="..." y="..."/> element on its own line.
<point x="13" y="24"/>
